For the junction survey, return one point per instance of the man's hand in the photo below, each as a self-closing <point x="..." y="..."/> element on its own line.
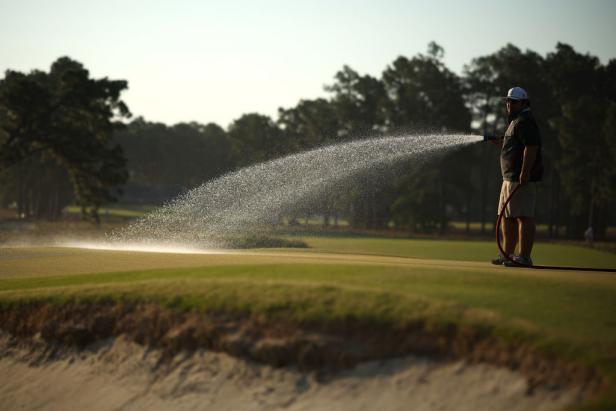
<point x="497" y="141"/>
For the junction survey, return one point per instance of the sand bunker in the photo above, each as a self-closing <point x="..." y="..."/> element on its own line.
<point x="120" y="374"/>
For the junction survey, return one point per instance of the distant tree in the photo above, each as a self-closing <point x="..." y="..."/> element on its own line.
<point x="409" y="208"/>
<point x="609" y="78"/>
<point x="424" y="94"/>
<point x="142" y="143"/>
<point x="309" y="124"/>
<point x="197" y="153"/>
<point x="256" y="138"/>
<point x="582" y="94"/>
<point x="572" y="74"/>
<point x="216" y="151"/>
<point x="359" y="102"/>
<point x="39" y="188"/>
<point x="164" y="161"/>
<point x="605" y="187"/>
<point x="67" y="118"/>
<point x="587" y="165"/>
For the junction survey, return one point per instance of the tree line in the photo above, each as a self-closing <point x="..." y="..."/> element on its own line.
<point x="56" y="140"/>
<point x="572" y="95"/>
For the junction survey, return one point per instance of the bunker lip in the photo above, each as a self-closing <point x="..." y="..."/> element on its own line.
<point x="326" y="345"/>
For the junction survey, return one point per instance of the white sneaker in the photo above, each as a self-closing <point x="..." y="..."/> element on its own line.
<point x="520" y="260"/>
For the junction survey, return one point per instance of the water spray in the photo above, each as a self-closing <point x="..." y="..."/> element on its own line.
<point x="221" y="212"/>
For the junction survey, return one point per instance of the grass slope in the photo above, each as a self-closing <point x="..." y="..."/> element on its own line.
<point x="543" y="253"/>
<point x="568" y="313"/>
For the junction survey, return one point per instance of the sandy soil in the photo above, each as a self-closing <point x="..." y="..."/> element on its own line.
<point x="120" y="375"/>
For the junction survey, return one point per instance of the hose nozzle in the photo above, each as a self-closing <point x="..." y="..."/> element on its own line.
<point x="489" y="137"/>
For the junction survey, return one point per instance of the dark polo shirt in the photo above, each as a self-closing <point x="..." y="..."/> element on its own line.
<point x="521" y="132"/>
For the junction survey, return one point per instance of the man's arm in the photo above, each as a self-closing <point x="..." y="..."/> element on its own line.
<point x="530" y="155"/>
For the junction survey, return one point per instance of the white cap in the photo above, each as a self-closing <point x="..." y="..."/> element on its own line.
<point x="517" y="93"/>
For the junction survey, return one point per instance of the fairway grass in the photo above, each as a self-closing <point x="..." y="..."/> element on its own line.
<point x="543" y="254"/>
<point x="386" y="282"/>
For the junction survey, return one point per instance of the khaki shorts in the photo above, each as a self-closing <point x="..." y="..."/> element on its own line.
<point x="523" y="202"/>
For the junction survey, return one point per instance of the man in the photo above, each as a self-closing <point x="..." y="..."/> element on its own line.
<point x="521" y="164"/>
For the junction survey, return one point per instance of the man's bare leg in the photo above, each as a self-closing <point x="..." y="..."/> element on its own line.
<point x="527" y="235"/>
<point x="510" y="235"/>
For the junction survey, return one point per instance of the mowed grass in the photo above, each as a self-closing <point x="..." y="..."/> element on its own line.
<point x="387" y="281"/>
<point x="543" y="253"/>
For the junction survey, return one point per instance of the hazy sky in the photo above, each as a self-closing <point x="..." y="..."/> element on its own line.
<point x="216" y="60"/>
